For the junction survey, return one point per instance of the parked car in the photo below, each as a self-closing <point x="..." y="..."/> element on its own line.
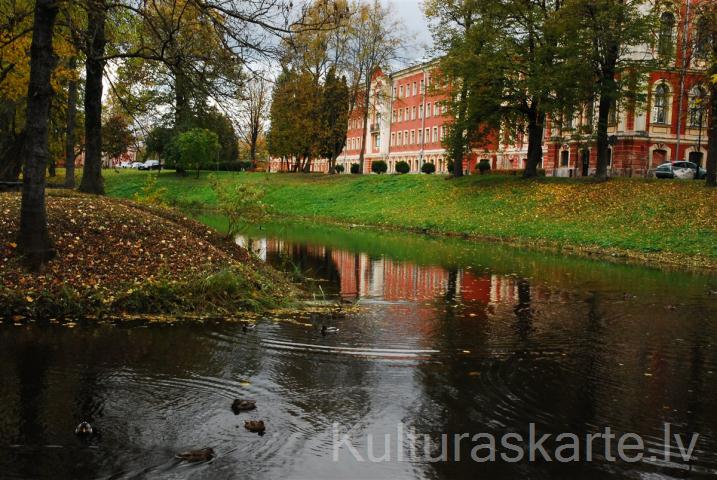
<point x="125" y="165"/>
<point x="682" y="170"/>
<point x="151" y="165"/>
<point x="137" y="165"/>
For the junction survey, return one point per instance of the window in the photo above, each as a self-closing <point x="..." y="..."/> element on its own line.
<point x="609" y="157"/>
<point x="407" y="113"/>
<point x="695" y="158"/>
<point x="696" y="107"/>
<point x="413" y="137"/>
<point x="405" y="137"/>
<point x="420" y="137"/>
<point x="394" y="92"/>
<point x="443" y="133"/>
<point x="400" y="92"/>
<point x="420" y="111"/>
<point x="666" y="40"/>
<point x="702" y="38"/>
<point x="415" y="91"/>
<point x="612" y="115"/>
<point x="427" y="135"/>
<point x="394" y="116"/>
<point x="660" y="104"/>
<point x="435" y="134"/>
<point x="413" y="113"/>
<point x="435" y="109"/>
<point x="564" y="158"/>
<point x="400" y="139"/>
<point x="393" y="139"/>
<point x="377" y="142"/>
<point x="428" y="110"/>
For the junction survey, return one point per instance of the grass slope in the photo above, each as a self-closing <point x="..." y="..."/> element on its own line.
<point x="650" y="220"/>
<point x="117" y="257"/>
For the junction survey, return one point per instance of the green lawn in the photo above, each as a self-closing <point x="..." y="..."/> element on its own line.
<point x="669" y="221"/>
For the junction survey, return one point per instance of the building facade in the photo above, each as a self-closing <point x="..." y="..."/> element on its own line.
<point x="407" y="121"/>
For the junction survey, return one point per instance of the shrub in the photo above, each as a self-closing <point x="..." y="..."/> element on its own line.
<point x="402" y="167"/>
<point x="240" y="203"/>
<point x="355" y="168"/>
<point x="197" y="148"/>
<point x="151" y="193"/>
<point x="339" y="169"/>
<point x="428" y="168"/>
<point x="379" y="166"/>
<point x="483" y="166"/>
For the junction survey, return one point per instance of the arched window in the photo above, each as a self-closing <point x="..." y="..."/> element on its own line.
<point x="696" y="106"/>
<point x="702" y="38"/>
<point x="660" y="110"/>
<point x="666" y="40"/>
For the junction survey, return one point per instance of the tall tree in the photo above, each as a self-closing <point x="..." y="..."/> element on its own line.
<point x="34" y="239"/>
<point x="116" y="136"/>
<point x="215" y="121"/>
<point x="70" y="125"/>
<point x="279" y="137"/>
<point x="464" y="33"/>
<point x="253" y="113"/>
<point x="15" y="40"/>
<point x="607" y="35"/>
<point x="710" y="14"/>
<point x="92" y="181"/>
<point x="335" y="116"/>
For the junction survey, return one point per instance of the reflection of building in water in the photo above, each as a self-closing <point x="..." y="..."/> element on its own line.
<point x="363" y="276"/>
<point x="257" y="246"/>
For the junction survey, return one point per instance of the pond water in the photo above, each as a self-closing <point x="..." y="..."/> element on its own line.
<point x="450" y="337"/>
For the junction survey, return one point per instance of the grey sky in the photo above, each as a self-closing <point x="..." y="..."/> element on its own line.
<point x="410" y="13"/>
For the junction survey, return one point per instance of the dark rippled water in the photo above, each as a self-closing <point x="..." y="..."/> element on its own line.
<point x="450" y="338"/>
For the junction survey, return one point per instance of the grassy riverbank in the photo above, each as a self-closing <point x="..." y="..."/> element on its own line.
<point x="119" y="258"/>
<point x="654" y="221"/>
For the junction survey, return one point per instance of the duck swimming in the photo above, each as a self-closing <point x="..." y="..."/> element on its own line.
<point x="201" y="455"/>
<point x="241" y="405"/>
<point x="256" y="426"/>
<point x="248" y="326"/>
<point x="83" y="429"/>
<point x="326" y="330"/>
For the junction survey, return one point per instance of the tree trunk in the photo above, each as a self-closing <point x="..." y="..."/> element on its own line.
<point x="252" y="152"/>
<point x="458" y="130"/>
<point x="608" y="93"/>
<point x="34" y="239"/>
<point x="70" y="128"/>
<point x="536" y="122"/>
<point x="603" y="149"/>
<point x="712" y="135"/>
<point x="182" y="110"/>
<point x="332" y="162"/>
<point x="92" y="172"/>
<point x="366" y="105"/>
